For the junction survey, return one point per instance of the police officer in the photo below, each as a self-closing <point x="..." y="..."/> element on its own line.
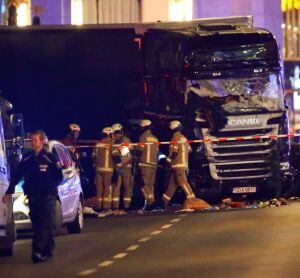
<point x="179" y="163"/>
<point x="104" y="167"/>
<point x="147" y="158"/>
<point x="42" y="174"/>
<point x="121" y="153"/>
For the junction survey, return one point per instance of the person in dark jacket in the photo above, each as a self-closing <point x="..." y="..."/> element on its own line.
<point x="41" y="172"/>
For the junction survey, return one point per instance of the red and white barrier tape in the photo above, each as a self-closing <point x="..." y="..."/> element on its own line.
<point x="205" y="140"/>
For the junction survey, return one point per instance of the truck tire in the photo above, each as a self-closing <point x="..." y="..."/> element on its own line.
<point x="76" y="227"/>
<point x="58" y="220"/>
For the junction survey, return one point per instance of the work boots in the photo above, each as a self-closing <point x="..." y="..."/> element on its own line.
<point x="196" y="204"/>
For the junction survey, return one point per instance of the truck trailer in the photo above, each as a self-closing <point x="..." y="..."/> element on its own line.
<point x="221" y="77"/>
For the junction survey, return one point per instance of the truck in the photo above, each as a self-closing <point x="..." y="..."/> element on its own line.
<point x="220" y="76"/>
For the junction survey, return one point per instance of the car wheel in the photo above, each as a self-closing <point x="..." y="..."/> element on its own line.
<point x="58" y="221"/>
<point x="76" y="226"/>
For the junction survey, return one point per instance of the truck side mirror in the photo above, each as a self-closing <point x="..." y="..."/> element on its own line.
<point x="17" y="125"/>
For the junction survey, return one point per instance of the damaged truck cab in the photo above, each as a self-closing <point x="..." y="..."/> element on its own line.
<point x="222" y="78"/>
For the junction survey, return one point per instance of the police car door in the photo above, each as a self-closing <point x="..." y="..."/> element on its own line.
<point x="69" y="190"/>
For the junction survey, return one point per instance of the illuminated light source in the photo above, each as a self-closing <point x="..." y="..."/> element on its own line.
<point x="290" y="4"/>
<point x="296" y="101"/>
<point x="180" y="10"/>
<point x="77" y="12"/>
<point x="23" y="15"/>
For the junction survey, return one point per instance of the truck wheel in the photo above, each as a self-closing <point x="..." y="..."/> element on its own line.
<point x="76" y="226"/>
<point x="58" y="221"/>
<point x="7" y="252"/>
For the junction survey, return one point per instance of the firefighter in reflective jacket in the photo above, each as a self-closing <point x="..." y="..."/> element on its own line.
<point x="147" y="158"/>
<point x="104" y="167"/>
<point x="179" y="163"/>
<point x="123" y="167"/>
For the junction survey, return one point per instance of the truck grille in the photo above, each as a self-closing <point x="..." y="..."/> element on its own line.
<point x="249" y="159"/>
<point x="18" y="216"/>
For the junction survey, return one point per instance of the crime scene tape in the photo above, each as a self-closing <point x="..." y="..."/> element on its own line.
<point x="92" y="143"/>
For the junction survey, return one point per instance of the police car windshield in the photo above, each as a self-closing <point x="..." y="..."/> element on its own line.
<point x="263" y="92"/>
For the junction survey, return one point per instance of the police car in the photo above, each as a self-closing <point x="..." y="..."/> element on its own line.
<point x="69" y="206"/>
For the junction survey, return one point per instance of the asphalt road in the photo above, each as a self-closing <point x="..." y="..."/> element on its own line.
<point x="237" y="243"/>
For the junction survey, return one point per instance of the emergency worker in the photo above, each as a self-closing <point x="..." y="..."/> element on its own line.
<point x="104" y="167"/>
<point x="72" y="140"/>
<point x="42" y="174"/>
<point x="179" y="164"/>
<point x="147" y="158"/>
<point x="122" y="157"/>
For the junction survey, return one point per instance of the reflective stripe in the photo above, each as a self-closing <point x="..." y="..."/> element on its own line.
<point x="105" y="169"/>
<point x="191" y="196"/>
<point x="167" y="197"/>
<point x="100" y="199"/>
<point x="26" y="158"/>
<point x="47" y="158"/>
<point x="148" y="150"/>
<point x="110" y="193"/>
<point x="148" y="165"/>
<point x="186" y="190"/>
<point x="127" y="199"/>
<point x="180" y="165"/>
<point x="183" y="154"/>
<point x="106" y="158"/>
<point x="116" y="199"/>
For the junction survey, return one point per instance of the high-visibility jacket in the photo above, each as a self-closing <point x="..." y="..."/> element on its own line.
<point x="103" y="155"/>
<point x="149" y="153"/>
<point x="179" y="152"/>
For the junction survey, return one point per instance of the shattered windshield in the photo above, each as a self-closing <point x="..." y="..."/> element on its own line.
<point x="263" y="92"/>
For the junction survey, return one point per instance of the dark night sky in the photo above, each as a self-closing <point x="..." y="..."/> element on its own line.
<point x="55" y="77"/>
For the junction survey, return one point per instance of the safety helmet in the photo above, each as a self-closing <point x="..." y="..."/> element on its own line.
<point x="174" y="125"/>
<point x="107" y="130"/>
<point x="145" y="123"/>
<point x="74" y="127"/>
<point x="117" y="127"/>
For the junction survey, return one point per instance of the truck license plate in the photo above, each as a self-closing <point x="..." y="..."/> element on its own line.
<point x="239" y="190"/>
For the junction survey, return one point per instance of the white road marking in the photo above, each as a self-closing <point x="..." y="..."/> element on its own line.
<point x="175" y="220"/>
<point x="155" y="232"/>
<point x="105" y="263"/>
<point x="130" y="248"/>
<point x="133" y="247"/>
<point x="87" y="272"/>
<point x="120" y="256"/>
<point x="167" y="226"/>
<point x="144" y="239"/>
